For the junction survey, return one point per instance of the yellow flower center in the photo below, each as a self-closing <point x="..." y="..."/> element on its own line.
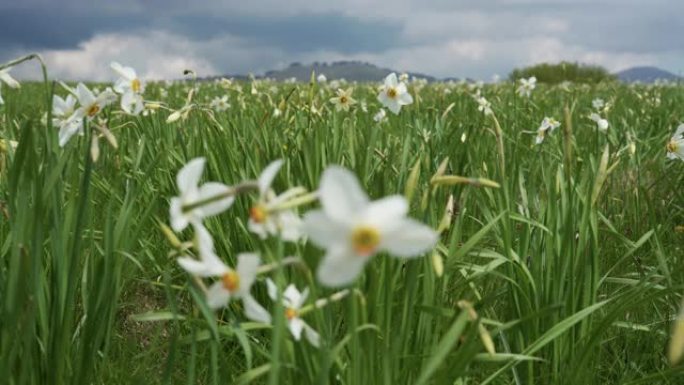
<point x="135" y="85"/>
<point x="392" y="93"/>
<point x="258" y="214"/>
<point x="93" y="110"/>
<point x="672" y="146"/>
<point x="231" y="281"/>
<point x="343" y="99"/>
<point x="290" y="313"/>
<point x="365" y="240"/>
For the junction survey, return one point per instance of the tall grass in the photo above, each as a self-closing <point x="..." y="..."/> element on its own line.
<point x="571" y="267"/>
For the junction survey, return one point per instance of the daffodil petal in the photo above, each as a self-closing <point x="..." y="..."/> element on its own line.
<point x="387" y="211"/>
<point x="321" y="230"/>
<point x="296" y="325"/>
<point x="271" y="289"/>
<point x="409" y="239"/>
<point x="247" y="266"/>
<point x="393" y="106"/>
<point x="212" y="190"/>
<point x="254" y="311"/>
<point x="679" y="131"/>
<point x="188" y="177"/>
<point x="84" y="95"/>
<point x="405" y="98"/>
<point x="257" y="228"/>
<point x="217" y="295"/>
<point x="178" y="220"/>
<point x="290" y="226"/>
<point x="205" y="245"/>
<point x="68" y="129"/>
<point x="391" y="80"/>
<point x="293" y="297"/>
<point x="341" y="194"/>
<point x="312" y="336"/>
<point x="194" y="267"/>
<point x="340" y="267"/>
<point x="267" y="176"/>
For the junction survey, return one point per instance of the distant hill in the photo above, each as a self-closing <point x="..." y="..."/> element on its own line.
<point x="367" y="72"/>
<point x="646" y="75"/>
<point x="349" y="70"/>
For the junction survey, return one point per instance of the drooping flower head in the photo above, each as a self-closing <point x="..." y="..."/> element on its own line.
<point x="353" y="229"/>
<point x="6" y="78"/>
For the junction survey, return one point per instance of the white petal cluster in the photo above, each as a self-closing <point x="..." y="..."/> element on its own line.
<point x="601" y="123"/>
<point x="675" y="147"/>
<point x="130" y="87"/>
<point x="266" y="216"/>
<point x="526" y="86"/>
<point x="352" y="228"/>
<point x="393" y="94"/>
<point x="547" y="126"/>
<point x="195" y="202"/>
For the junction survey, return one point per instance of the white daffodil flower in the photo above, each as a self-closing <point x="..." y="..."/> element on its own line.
<point x="483" y="105"/>
<point x="601" y="123"/>
<point x="293" y="300"/>
<point x="197" y="202"/>
<point x="353" y="229"/>
<point x="598" y="104"/>
<point x="233" y="283"/>
<point x="91" y="105"/>
<point x="526" y="86"/>
<point x="64" y="116"/>
<point x="321" y="78"/>
<point x="380" y="116"/>
<point x="220" y="104"/>
<point x="62" y="108"/>
<point x="130" y="87"/>
<point x="393" y="94"/>
<point x="265" y="218"/>
<point x="547" y="125"/>
<point x="675" y="147"/>
<point x="343" y="100"/>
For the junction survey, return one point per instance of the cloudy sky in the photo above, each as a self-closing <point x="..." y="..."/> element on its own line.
<point x="160" y="38"/>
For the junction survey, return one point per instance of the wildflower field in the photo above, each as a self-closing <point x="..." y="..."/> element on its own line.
<point x="329" y="232"/>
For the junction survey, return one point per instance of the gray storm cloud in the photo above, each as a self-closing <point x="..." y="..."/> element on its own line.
<point x="443" y="38"/>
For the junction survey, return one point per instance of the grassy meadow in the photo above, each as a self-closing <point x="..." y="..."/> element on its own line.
<point x="556" y="263"/>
